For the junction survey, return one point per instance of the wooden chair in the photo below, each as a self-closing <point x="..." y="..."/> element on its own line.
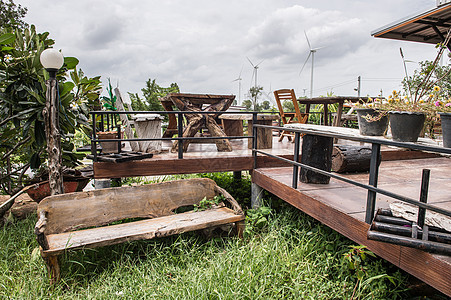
<point x="289" y="117"/>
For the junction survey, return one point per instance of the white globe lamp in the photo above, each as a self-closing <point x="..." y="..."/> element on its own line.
<point x="52" y="60"/>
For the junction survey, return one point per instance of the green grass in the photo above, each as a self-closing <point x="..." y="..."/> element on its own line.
<point x="293" y="257"/>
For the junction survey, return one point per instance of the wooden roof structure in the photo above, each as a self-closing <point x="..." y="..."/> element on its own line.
<point x="430" y="26"/>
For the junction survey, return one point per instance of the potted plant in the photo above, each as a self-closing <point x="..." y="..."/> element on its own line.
<point x="421" y="102"/>
<point x="444" y="110"/>
<point x="372" y="122"/>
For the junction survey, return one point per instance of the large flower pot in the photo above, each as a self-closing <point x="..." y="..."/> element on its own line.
<point x="406" y="126"/>
<point x="376" y="125"/>
<point x="445" y="119"/>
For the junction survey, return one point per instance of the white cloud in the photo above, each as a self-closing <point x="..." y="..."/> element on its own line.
<point x="202" y="45"/>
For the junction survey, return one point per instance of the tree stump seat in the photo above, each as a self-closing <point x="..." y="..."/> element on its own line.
<point x="233" y="126"/>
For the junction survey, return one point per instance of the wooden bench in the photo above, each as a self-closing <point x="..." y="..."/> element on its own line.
<point x="77" y="220"/>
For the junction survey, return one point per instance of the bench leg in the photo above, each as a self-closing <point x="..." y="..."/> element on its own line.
<point x="53" y="268"/>
<point x="239" y="227"/>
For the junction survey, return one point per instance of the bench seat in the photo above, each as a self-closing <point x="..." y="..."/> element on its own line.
<point x="139" y="230"/>
<point x="84" y="219"/>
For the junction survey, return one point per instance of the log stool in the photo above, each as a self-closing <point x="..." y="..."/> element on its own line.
<point x="148" y="126"/>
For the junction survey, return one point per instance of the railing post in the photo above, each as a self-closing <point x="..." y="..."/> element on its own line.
<point x="374" y="174"/>
<point x="93" y="137"/>
<point x="297" y="142"/>
<point x="180" y="134"/>
<point x="119" y="142"/>
<point x="254" y="138"/>
<point x="423" y="196"/>
<point x="102" y="128"/>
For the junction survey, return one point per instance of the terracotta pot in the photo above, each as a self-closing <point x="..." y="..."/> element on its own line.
<point x="42" y="189"/>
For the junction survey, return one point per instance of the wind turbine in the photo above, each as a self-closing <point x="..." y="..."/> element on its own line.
<point x="239" y="86"/>
<point x="312" y="54"/>
<point x="255" y="70"/>
<point x="254" y="74"/>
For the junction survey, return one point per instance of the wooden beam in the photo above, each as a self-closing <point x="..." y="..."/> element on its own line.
<point x="154" y="167"/>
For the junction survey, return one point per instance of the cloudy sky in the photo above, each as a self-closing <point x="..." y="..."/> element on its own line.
<point x="203" y="45"/>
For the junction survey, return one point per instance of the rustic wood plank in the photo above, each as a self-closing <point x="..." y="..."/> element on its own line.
<point x="183" y="166"/>
<point x="144" y="229"/>
<point x="100" y="207"/>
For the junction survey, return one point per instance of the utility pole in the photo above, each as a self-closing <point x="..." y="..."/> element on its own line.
<point x="358" y="86"/>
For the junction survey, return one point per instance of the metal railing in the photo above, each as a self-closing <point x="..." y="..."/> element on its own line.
<point x="107" y="121"/>
<point x="374" y="168"/>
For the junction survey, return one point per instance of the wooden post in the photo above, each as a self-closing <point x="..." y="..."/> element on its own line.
<point x="316" y="152"/>
<point x="53" y="136"/>
<point x="256" y="195"/>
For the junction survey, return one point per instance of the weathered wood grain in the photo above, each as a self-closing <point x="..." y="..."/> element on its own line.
<point x="183" y="166"/>
<point x="350" y="158"/>
<point x="100" y="207"/>
<point x="144" y="229"/>
<point x="316" y="152"/>
<point x="76" y="220"/>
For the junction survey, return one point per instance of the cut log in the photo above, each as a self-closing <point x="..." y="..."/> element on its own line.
<point x="350" y="158"/>
<point x="316" y="152"/>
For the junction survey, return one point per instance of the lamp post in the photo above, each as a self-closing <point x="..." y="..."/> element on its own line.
<point x="52" y="60"/>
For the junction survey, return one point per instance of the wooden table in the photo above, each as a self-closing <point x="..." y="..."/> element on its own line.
<point x="325" y="101"/>
<point x="233" y="126"/>
<point x="195" y="102"/>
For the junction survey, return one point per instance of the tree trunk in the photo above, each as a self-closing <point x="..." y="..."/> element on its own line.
<point x="53" y="136"/>
<point x="316" y="152"/>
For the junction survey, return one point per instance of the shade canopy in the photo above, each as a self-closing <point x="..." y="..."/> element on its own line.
<point x="430" y="26"/>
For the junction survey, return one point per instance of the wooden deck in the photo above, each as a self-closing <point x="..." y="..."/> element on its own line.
<point x="341" y="206"/>
<point x="204" y="158"/>
<point x="338" y="205"/>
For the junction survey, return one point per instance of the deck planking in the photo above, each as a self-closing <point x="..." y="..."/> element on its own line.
<point x="341" y="206"/>
<point x="204" y="158"/>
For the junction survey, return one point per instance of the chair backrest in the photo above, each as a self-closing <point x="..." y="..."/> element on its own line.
<point x="66" y="212"/>
<point x="288" y="95"/>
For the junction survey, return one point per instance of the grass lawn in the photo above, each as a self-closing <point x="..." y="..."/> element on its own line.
<point x="285" y="255"/>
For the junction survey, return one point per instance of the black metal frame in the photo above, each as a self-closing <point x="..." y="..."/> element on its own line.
<point x="374" y="168"/>
<point x="179" y="114"/>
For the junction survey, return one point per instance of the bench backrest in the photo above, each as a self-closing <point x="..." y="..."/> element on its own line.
<point x="71" y="211"/>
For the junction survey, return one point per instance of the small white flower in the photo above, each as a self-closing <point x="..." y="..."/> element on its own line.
<point x="120" y="293"/>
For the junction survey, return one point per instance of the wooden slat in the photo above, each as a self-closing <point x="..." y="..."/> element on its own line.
<point x="144" y="229"/>
<point x="183" y="166"/>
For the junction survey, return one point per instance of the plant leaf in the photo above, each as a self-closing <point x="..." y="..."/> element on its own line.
<point x="71" y="62"/>
<point x="7" y="38"/>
